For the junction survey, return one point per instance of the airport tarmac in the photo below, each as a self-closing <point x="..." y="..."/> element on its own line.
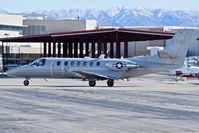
<point x="151" y="104"/>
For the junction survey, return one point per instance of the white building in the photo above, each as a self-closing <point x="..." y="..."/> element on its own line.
<point x="35" y="27"/>
<point x="10" y="26"/>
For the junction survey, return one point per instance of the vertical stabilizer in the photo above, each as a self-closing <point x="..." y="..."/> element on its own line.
<point x="177" y="47"/>
<point x="174" y="52"/>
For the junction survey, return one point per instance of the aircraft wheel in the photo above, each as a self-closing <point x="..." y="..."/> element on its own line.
<point x="92" y="83"/>
<point x="110" y="82"/>
<point x="26" y="82"/>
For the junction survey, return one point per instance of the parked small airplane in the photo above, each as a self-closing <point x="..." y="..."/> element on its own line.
<point x="183" y="73"/>
<point x="93" y="69"/>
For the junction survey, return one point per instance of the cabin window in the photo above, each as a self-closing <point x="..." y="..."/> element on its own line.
<point x="58" y="63"/>
<point x="97" y="63"/>
<point x="91" y="64"/>
<point x="85" y="63"/>
<point x="78" y="63"/>
<point x="66" y="63"/>
<point x="72" y="63"/>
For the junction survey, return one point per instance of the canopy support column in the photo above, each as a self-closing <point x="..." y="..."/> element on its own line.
<point x="111" y="49"/>
<point x="81" y="48"/>
<point x="54" y="48"/>
<point x="65" y="49"/>
<point x="75" y="49"/>
<point x="105" y="49"/>
<point x="125" y="48"/>
<point x="2" y="49"/>
<point x="118" y="46"/>
<point x="99" y="47"/>
<point x="70" y="49"/>
<point x="87" y="49"/>
<point x="59" y="49"/>
<point x="49" y="49"/>
<point x="93" y="49"/>
<point x="45" y="49"/>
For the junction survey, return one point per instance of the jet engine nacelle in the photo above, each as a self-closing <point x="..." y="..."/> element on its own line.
<point x="123" y="65"/>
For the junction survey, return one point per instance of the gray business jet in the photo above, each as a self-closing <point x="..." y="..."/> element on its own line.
<point x="94" y="69"/>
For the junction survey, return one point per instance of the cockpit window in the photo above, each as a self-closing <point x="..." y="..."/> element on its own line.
<point x="39" y="62"/>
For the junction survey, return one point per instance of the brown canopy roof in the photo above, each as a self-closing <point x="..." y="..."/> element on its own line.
<point x="108" y="35"/>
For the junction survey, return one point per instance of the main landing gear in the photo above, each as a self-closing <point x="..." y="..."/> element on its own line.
<point x="110" y="83"/>
<point x="26" y="82"/>
<point x="92" y="83"/>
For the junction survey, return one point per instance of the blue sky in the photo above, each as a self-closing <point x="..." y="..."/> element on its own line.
<point x="16" y="6"/>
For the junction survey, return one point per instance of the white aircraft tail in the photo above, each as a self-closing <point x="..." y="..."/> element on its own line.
<point x="177" y="47"/>
<point x="175" y="50"/>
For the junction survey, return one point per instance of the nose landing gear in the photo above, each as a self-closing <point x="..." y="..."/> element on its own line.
<point x="26" y="82"/>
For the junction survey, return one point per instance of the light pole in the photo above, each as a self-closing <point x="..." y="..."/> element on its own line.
<point x="198" y="51"/>
<point x="5" y="49"/>
<point x="3" y="55"/>
<point x="6" y="34"/>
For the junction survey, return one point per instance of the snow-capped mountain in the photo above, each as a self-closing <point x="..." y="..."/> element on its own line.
<point x="123" y="16"/>
<point x="3" y="12"/>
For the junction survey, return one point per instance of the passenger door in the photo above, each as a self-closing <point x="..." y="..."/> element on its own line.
<point x="56" y="69"/>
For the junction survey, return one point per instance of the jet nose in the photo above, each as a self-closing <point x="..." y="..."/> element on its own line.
<point x="12" y="73"/>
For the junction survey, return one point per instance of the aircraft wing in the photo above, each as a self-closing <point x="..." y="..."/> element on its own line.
<point x="89" y="75"/>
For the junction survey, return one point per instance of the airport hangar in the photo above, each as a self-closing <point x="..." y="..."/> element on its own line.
<point x="78" y="44"/>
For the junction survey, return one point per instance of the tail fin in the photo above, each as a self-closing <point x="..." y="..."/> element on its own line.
<point x="177" y="47"/>
<point x="174" y="52"/>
